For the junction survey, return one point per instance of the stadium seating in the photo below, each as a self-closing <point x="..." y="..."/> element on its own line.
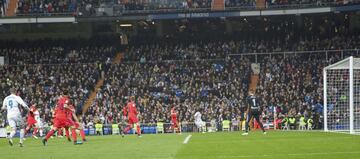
<point x="88" y="7"/>
<point x="213" y="75"/>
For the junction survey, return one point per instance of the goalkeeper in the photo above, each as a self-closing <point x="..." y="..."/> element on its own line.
<point x="253" y="110"/>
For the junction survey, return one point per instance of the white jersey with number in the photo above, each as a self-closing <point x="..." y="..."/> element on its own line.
<point x="197" y="117"/>
<point x="198" y="121"/>
<point x="11" y="104"/>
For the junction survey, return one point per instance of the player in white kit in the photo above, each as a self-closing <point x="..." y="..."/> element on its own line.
<point x="198" y="122"/>
<point x="11" y="104"/>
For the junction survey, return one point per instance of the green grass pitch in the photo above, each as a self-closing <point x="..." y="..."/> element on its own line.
<point x="222" y="145"/>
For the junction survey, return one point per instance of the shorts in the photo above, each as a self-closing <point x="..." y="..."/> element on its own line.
<point x="62" y="123"/>
<point x="16" y="120"/>
<point x="199" y="124"/>
<point x="133" y="120"/>
<point x="174" y="123"/>
<point x="253" y="113"/>
<point x="31" y="122"/>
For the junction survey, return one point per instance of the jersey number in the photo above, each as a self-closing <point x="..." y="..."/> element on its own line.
<point x="254" y="102"/>
<point x="10" y="104"/>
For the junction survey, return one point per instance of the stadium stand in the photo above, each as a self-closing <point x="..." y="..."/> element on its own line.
<point x="213" y="74"/>
<point x="88" y="7"/>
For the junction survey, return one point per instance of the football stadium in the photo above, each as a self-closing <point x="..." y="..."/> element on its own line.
<point x="180" y="79"/>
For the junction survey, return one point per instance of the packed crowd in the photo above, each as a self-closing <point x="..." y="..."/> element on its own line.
<point x="56" y="52"/>
<point x="288" y="87"/>
<point x="39" y="70"/>
<point x="2" y="8"/>
<point x="45" y="7"/>
<point x="200" y="78"/>
<point x="210" y="75"/>
<point x="57" y="55"/>
<point x="220" y="50"/>
<point x="88" y="7"/>
<point x="42" y="84"/>
<point x="165" y="4"/>
<point x="212" y="85"/>
<point x="193" y="4"/>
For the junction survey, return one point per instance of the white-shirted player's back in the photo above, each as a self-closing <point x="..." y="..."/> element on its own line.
<point x="12" y="104"/>
<point x="197" y="116"/>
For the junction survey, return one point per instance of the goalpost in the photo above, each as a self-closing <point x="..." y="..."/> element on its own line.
<point x="342" y="96"/>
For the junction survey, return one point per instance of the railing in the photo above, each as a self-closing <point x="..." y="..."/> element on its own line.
<point x="39" y="14"/>
<point x="343" y="53"/>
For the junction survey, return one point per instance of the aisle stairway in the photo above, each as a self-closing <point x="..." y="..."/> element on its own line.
<point x="10" y="11"/>
<point x="99" y="84"/>
<point x="254" y="79"/>
<point x="218" y="5"/>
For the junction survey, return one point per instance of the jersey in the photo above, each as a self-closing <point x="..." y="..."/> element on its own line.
<point x="69" y="112"/>
<point x="253" y="103"/>
<point x="173" y="114"/>
<point x="33" y="116"/>
<point x="132" y="113"/>
<point x="197" y="117"/>
<point x="11" y="104"/>
<point x="131" y="109"/>
<point x="60" y="110"/>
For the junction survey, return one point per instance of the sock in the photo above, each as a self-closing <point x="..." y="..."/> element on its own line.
<point x="67" y="133"/>
<point x="82" y="133"/>
<point x="49" y="134"/>
<point x="22" y="134"/>
<point x="41" y="132"/>
<point x="12" y="133"/>
<point x="138" y="129"/>
<point x="35" y="131"/>
<point x="246" y="126"/>
<point x="73" y="134"/>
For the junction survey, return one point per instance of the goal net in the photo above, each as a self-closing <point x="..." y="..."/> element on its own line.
<point x="342" y="96"/>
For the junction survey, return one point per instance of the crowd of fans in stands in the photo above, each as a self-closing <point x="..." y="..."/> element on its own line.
<point x="287" y="87"/>
<point x="203" y="76"/>
<point x="40" y="73"/>
<point x="2" y="8"/>
<point x="45" y="7"/>
<point x="87" y="7"/>
<point x="210" y="76"/>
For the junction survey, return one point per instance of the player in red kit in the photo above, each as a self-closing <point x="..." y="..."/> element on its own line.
<point x="74" y="121"/>
<point x="174" y="121"/>
<point x="132" y="116"/>
<point x="61" y="120"/>
<point x="33" y="120"/>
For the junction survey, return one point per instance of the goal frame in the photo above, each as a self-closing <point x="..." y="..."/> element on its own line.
<point x="345" y="64"/>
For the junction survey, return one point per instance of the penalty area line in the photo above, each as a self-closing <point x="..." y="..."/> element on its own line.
<point x="187" y="139"/>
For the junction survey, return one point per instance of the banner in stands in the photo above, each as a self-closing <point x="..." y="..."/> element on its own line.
<point x="2" y="61"/>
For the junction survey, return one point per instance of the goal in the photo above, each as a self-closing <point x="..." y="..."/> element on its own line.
<point x="342" y="96"/>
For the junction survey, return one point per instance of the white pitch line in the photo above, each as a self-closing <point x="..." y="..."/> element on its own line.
<point x="187" y="139"/>
<point x="294" y="154"/>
